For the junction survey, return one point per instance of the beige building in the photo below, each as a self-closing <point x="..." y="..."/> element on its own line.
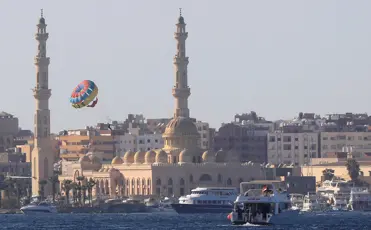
<point x="359" y="142"/>
<point x="180" y="166"/>
<point x="292" y="148"/>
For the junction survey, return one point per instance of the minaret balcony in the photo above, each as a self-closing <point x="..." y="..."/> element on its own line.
<point x="42" y="37"/>
<point x="41" y="60"/>
<point x="181" y="92"/>
<point x="41" y="93"/>
<point x="181" y="35"/>
<point x="179" y="60"/>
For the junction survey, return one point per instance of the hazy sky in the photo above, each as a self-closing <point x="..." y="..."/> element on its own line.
<point x="274" y="57"/>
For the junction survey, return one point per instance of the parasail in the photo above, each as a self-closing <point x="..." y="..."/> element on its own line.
<point x="84" y="95"/>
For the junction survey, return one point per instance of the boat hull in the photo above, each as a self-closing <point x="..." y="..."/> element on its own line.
<point x="282" y="218"/>
<point x="194" y="208"/>
<point x="37" y="211"/>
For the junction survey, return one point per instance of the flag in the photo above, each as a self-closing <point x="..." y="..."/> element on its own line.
<point x="264" y="188"/>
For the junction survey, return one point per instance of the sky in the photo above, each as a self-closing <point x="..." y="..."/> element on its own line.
<point x="277" y="58"/>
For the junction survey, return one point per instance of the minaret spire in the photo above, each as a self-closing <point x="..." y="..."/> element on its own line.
<point x="42" y="154"/>
<point x="181" y="91"/>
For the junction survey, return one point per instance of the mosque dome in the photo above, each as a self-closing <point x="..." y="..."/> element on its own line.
<point x="129" y="157"/>
<point x="161" y="157"/>
<point x="208" y="156"/>
<point x="180" y="126"/>
<point x="150" y="157"/>
<point x="117" y="160"/>
<point x="233" y="156"/>
<point x="84" y="159"/>
<point x="185" y="156"/>
<point x="220" y="156"/>
<point x="139" y="157"/>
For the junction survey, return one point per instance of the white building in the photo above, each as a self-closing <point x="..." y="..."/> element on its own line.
<point x="292" y="148"/>
<point x="203" y="130"/>
<point x="136" y="143"/>
<point x="332" y="142"/>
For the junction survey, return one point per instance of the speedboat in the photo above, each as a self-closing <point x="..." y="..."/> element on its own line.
<point x="207" y="200"/>
<point x="262" y="202"/>
<point x="42" y="207"/>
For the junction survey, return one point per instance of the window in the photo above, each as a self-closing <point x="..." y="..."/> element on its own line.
<point x="286" y="139"/>
<point x="296" y="139"/>
<point x="156" y="140"/>
<point x="296" y="147"/>
<point x="324" y="138"/>
<point x="148" y="141"/>
<point x="324" y="147"/>
<point x="287" y="147"/>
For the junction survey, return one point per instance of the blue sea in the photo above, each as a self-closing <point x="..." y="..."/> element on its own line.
<point x="164" y="221"/>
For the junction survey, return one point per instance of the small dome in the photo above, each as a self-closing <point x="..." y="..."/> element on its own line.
<point x="185" y="156"/>
<point x="220" y="156"/>
<point x="129" y="157"/>
<point x="181" y="20"/>
<point x="233" y="156"/>
<point x="161" y="157"/>
<point x="139" y="157"/>
<point x="208" y="156"/>
<point x="42" y="20"/>
<point x="150" y="157"/>
<point x="84" y="159"/>
<point x="181" y="126"/>
<point x="117" y="160"/>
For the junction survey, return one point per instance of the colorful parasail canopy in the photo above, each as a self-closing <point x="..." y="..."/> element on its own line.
<point x="84" y="95"/>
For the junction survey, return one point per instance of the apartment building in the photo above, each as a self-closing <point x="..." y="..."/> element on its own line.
<point x="292" y="148"/>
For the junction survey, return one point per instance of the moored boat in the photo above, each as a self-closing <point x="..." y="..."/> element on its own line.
<point x="207" y="200"/>
<point x="42" y="207"/>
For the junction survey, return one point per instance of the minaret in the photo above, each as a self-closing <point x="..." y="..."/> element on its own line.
<point x="42" y="153"/>
<point x="181" y="91"/>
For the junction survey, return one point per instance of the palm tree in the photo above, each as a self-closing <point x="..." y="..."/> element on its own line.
<point x="74" y="187"/>
<point x="91" y="183"/>
<point x="328" y="174"/>
<point x="42" y="184"/>
<point x="67" y="186"/>
<point x="353" y="169"/>
<point x="79" y="187"/>
<point x="54" y="181"/>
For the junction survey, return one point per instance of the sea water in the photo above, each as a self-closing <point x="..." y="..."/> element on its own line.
<point x="143" y="221"/>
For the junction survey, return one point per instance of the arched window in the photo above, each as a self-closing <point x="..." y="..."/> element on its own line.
<point x="132" y="183"/>
<point x="191" y="178"/>
<point x="170" y="182"/>
<point x="181" y="182"/>
<point x="148" y="182"/>
<point x="158" y="182"/>
<point x="229" y="181"/>
<point x="143" y="182"/>
<point x="220" y="179"/>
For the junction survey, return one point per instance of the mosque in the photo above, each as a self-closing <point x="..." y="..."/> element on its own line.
<point x="177" y="168"/>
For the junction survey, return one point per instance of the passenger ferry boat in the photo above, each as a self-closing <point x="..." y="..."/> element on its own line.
<point x="261" y="202"/>
<point x="360" y="200"/>
<point x="207" y="200"/>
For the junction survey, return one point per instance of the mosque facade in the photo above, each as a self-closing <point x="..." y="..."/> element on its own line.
<point x="177" y="168"/>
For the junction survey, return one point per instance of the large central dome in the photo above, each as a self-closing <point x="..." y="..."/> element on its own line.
<point x="180" y="127"/>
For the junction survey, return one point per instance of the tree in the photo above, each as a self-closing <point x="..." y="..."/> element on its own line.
<point x="328" y="174"/>
<point x="353" y="169"/>
<point x="54" y="181"/>
<point x="42" y="184"/>
<point x="91" y="183"/>
<point x="67" y="186"/>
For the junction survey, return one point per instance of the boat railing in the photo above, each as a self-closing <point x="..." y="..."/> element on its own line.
<point x="256" y="193"/>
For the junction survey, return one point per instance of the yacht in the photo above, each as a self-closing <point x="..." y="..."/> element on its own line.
<point x="360" y="199"/>
<point x="207" y="200"/>
<point x="42" y="207"/>
<point x="262" y="202"/>
<point x="296" y="201"/>
<point x="314" y="202"/>
<point x="334" y="186"/>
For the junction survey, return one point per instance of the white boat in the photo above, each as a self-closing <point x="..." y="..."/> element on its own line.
<point x="42" y="207"/>
<point x="297" y="201"/>
<point x="314" y="202"/>
<point x="207" y="200"/>
<point x="262" y="202"/>
<point x="360" y="199"/>
<point x="335" y="186"/>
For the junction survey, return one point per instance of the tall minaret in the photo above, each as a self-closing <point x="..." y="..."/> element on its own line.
<point x="42" y="153"/>
<point x="181" y="91"/>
